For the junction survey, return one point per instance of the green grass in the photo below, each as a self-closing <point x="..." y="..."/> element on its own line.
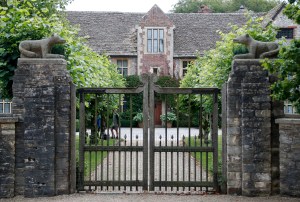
<point x="202" y="157"/>
<point x="93" y="159"/>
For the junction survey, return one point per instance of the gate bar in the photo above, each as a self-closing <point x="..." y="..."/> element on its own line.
<point x="81" y="142"/>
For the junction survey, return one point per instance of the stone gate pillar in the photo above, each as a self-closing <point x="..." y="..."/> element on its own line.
<point x="45" y="134"/>
<point x="252" y="138"/>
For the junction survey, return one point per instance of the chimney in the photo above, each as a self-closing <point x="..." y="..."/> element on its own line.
<point x="204" y="9"/>
<point x="242" y="9"/>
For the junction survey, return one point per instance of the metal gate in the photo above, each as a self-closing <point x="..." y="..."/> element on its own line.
<point x="152" y="158"/>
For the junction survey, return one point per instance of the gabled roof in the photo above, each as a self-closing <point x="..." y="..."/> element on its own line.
<point x="115" y="32"/>
<point x="156" y="18"/>
<point x="272" y="14"/>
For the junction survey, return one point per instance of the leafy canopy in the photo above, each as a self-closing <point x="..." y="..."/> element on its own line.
<point x="223" y="6"/>
<point x="35" y="19"/>
<point x="213" y="67"/>
<point x="287" y="66"/>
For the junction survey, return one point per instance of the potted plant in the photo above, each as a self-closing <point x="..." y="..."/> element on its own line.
<point x="139" y="119"/>
<point x="169" y="118"/>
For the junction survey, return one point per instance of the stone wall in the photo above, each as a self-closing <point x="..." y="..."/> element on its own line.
<point x="7" y="156"/>
<point x="44" y="102"/>
<point x="249" y="130"/>
<point x="289" y="156"/>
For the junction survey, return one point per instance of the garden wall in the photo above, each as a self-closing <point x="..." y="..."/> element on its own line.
<point x="289" y="129"/>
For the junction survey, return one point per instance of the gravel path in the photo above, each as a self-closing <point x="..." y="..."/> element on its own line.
<point x="151" y="198"/>
<point x="128" y="166"/>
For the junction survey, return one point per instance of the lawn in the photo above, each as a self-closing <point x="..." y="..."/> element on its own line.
<point x="93" y="159"/>
<point x="204" y="156"/>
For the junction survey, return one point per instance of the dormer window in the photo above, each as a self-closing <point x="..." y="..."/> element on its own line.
<point x="155" y="40"/>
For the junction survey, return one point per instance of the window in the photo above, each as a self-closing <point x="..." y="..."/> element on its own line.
<point x="5" y="106"/>
<point x="289" y="108"/>
<point x="155" y="70"/>
<point x="185" y="65"/>
<point x="122" y="67"/>
<point x="155" y="40"/>
<point x="288" y="33"/>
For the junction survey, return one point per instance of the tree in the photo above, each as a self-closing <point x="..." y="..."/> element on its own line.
<point x="287" y="66"/>
<point x="213" y="67"/>
<point x="223" y="6"/>
<point x="34" y="19"/>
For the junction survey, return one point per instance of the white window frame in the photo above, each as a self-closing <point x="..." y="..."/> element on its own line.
<point x="184" y="68"/>
<point x="4" y="102"/>
<point x="155" y="40"/>
<point x="122" y="67"/>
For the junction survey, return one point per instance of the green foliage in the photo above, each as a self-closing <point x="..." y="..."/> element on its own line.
<point x="213" y="67"/>
<point x="167" y="81"/>
<point x="169" y="117"/>
<point x="132" y="81"/>
<point x="138" y="117"/>
<point x="31" y="19"/>
<point x="288" y="69"/>
<point x="223" y="6"/>
<point x="292" y="10"/>
<point x="287" y="66"/>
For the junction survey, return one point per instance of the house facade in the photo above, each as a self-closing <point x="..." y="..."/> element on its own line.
<point x="163" y="43"/>
<point x="153" y="42"/>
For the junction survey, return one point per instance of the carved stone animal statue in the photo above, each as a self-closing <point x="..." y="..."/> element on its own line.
<point x="40" y="48"/>
<point x="257" y="49"/>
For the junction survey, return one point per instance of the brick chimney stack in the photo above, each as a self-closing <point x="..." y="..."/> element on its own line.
<point x="204" y="9"/>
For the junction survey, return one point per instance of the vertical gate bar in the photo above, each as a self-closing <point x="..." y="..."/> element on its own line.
<point x="119" y="136"/>
<point x="195" y="167"/>
<point x="137" y="164"/>
<point x="101" y="143"/>
<point x="90" y="160"/>
<point x="130" y="102"/>
<point x="97" y="132"/>
<point x="130" y="166"/>
<point x="125" y="160"/>
<point x="81" y="141"/>
<point x="177" y="123"/>
<point x="113" y="152"/>
<point x="201" y="139"/>
<point x="215" y="140"/>
<point x="90" y="171"/>
<point x="113" y="166"/>
<point x="172" y="161"/>
<point x="183" y="163"/>
<point x="108" y="139"/>
<point x="159" y="162"/>
<point x="102" y="159"/>
<point x="189" y="159"/>
<point x="145" y="132"/>
<point x="152" y="133"/>
<point x="166" y="140"/>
